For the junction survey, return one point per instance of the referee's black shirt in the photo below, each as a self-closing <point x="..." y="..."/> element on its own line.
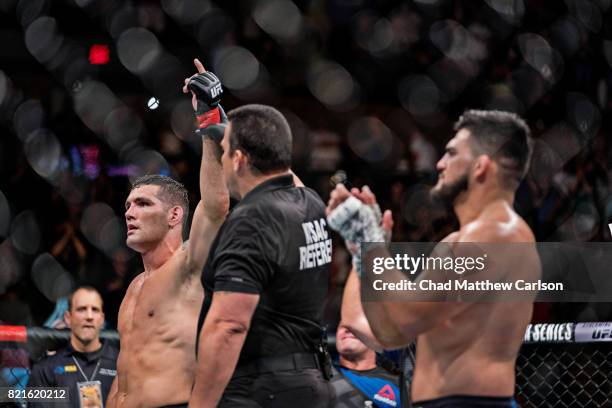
<point x="60" y="370"/>
<point x="275" y="242"/>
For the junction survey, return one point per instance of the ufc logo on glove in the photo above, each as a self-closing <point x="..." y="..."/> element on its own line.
<point x="216" y="90"/>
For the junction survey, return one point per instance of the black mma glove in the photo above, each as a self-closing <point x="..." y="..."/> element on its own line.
<point x="212" y="120"/>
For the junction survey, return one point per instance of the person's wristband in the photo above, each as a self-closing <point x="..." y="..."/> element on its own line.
<point x="212" y="132"/>
<point x="208" y="118"/>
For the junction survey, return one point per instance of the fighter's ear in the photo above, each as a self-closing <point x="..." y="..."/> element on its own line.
<point x="482" y="166"/>
<point x="175" y="216"/>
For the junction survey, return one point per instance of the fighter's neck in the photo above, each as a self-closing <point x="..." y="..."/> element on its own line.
<point x="156" y="257"/>
<point x="474" y="204"/>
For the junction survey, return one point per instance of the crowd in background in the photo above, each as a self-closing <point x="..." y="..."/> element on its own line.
<point x="370" y="88"/>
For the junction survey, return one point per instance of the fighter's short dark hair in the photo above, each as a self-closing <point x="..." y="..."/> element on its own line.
<point x="504" y="136"/>
<point x="86" y="288"/>
<point x="170" y="191"/>
<point x="263" y="134"/>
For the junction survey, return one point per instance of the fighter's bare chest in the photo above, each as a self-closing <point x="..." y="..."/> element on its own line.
<point x="147" y="303"/>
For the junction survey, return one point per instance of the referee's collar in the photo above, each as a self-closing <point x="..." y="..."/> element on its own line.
<point x="286" y="180"/>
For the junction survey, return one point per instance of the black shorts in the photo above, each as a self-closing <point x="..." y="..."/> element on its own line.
<point x="176" y="405"/>
<point x="467" y="401"/>
<point x="305" y="388"/>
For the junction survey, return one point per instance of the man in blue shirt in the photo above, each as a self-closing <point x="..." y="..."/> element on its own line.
<point x="358" y="378"/>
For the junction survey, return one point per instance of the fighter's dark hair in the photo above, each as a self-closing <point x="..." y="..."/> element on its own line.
<point x="263" y="135"/>
<point x="503" y="136"/>
<point x="170" y="192"/>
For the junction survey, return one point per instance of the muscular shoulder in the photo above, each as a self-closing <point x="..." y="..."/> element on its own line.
<point x="134" y="284"/>
<point x="511" y="230"/>
<point x="452" y="237"/>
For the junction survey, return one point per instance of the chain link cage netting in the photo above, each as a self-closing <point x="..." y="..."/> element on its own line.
<point x="552" y="371"/>
<point x="564" y="375"/>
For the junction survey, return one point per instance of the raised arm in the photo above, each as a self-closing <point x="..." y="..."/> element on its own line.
<point x="396" y="318"/>
<point x="379" y="324"/>
<point x="211" y="209"/>
<point x="214" y="202"/>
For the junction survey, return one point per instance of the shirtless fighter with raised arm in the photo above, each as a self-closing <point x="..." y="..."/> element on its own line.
<point x="159" y="314"/>
<point x="466" y="351"/>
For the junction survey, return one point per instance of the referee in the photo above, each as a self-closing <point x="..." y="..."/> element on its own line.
<point x="265" y="279"/>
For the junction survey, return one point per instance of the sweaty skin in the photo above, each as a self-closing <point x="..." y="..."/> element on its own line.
<point x="474" y="352"/>
<point x="157" y="325"/>
<point x="159" y="314"/>
<point x="466" y="348"/>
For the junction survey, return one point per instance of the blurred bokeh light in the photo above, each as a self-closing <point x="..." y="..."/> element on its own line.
<point x="279" y="18"/>
<point x="371" y="88"/>
<point x="51" y="279"/>
<point x="25" y="233"/>
<point x="333" y="85"/>
<point x="138" y="49"/>
<point x="5" y="216"/>
<point x="370" y="139"/>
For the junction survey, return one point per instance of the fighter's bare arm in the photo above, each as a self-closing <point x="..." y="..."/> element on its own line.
<point x="396" y="324"/>
<point x="210" y="211"/>
<point x="222" y="337"/>
<point x="214" y="201"/>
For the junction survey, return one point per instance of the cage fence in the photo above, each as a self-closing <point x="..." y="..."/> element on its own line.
<point x="559" y="365"/>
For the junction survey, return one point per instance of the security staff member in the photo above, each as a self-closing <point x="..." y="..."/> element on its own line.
<point x="266" y="276"/>
<point x="87" y="366"/>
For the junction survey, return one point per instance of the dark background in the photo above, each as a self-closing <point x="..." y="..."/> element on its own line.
<point x="371" y="90"/>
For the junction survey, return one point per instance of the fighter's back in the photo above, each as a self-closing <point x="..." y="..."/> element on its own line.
<point x="474" y="352"/>
<point x="157" y="327"/>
